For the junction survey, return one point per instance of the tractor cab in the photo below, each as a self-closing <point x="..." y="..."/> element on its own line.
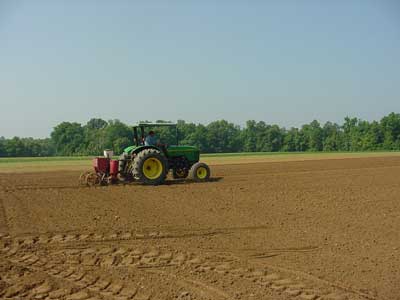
<point x="141" y="130"/>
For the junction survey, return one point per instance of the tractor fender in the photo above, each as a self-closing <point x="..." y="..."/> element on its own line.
<point x="141" y="148"/>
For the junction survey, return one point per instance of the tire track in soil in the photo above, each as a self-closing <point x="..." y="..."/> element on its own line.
<point x="167" y="233"/>
<point x="200" y="287"/>
<point x="16" y="187"/>
<point x="11" y="189"/>
<point x="92" y="237"/>
<point x="73" y="264"/>
<point x="4" y="229"/>
<point x="59" y="281"/>
<point x="77" y="275"/>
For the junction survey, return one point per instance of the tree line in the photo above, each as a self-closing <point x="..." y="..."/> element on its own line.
<point x="71" y="138"/>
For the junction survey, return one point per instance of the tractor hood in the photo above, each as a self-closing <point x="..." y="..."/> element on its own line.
<point x="190" y="152"/>
<point x="170" y="148"/>
<point x="129" y="149"/>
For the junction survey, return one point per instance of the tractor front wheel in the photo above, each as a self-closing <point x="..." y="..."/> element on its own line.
<point x="150" y="167"/>
<point x="199" y="172"/>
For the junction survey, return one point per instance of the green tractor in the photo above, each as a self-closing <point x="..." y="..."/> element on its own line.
<point x="150" y="164"/>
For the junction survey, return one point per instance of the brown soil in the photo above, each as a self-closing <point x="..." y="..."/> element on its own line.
<point x="324" y="229"/>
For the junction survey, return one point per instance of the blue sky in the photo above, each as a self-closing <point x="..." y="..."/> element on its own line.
<point x="285" y="62"/>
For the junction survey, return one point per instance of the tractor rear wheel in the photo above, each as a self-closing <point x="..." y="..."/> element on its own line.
<point x="199" y="172"/>
<point x="150" y="167"/>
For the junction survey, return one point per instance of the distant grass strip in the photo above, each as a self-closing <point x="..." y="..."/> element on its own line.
<point x="5" y="160"/>
<point x="322" y="153"/>
<point x="82" y="163"/>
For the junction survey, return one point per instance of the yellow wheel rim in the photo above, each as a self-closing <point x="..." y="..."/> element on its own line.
<point x="152" y="168"/>
<point x="201" y="173"/>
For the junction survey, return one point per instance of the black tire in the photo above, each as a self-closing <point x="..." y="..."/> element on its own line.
<point x="159" y="171"/>
<point x="180" y="173"/>
<point x="196" y="172"/>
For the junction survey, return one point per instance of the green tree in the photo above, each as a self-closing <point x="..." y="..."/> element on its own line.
<point x="350" y="134"/>
<point x="196" y="136"/>
<point x="42" y="147"/>
<point x="185" y="132"/>
<point x="373" y="137"/>
<point x="117" y="136"/>
<point x="96" y="124"/>
<point x="332" y="136"/>
<point x="294" y="140"/>
<point x="220" y="136"/>
<point x="15" y="147"/>
<point x="120" y="144"/>
<point x="273" y="138"/>
<point x="94" y="132"/>
<point x="3" y="152"/>
<point x="223" y="136"/>
<point x="390" y="125"/>
<point x="249" y="136"/>
<point x="313" y="135"/>
<point x="68" y="138"/>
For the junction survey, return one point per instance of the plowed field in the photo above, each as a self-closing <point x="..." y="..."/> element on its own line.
<point x="317" y="229"/>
